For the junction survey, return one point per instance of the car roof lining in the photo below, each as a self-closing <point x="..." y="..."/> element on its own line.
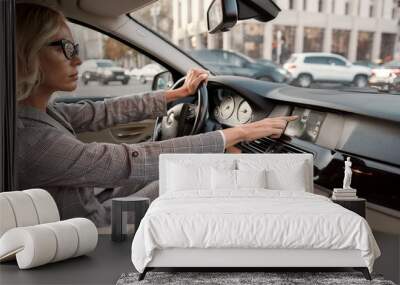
<point x="102" y="8"/>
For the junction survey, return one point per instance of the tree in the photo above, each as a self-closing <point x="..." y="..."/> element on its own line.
<point x="114" y="50"/>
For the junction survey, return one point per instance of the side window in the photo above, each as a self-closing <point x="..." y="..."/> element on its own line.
<point x="109" y="67"/>
<point x="224" y="58"/>
<point x="316" y="60"/>
<point x="235" y="60"/>
<point x="309" y="59"/>
<point x="208" y="57"/>
<point x="336" y="61"/>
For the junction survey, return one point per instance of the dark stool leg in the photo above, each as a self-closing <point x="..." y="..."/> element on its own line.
<point x="364" y="271"/>
<point x="143" y="274"/>
<point x="116" y="221"/>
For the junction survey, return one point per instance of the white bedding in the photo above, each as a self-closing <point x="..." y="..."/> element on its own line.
<point x="252" y="218"/>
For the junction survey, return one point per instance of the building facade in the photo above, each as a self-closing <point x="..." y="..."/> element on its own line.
<point x="356" y="29"/>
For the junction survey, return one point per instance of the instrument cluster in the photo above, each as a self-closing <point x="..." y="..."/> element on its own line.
<point x="232" y="109"/>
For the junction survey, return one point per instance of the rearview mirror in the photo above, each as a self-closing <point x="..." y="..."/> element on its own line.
<point x="224" y="14"/>
<point x="221" y="15"/>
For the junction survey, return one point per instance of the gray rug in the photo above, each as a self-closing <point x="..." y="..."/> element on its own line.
<point x="243" y="278"/>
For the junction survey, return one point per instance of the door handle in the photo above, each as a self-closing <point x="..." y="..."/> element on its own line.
<point x="361" y="172"/>
<point x="124" y="135"/>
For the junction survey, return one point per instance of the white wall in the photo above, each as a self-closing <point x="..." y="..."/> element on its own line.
<point x="312" y="6"/>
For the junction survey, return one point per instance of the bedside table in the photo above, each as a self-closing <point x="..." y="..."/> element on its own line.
<point x="356" y="205"/>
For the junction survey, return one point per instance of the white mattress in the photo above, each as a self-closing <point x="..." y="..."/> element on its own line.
<point x="250" y="219"/>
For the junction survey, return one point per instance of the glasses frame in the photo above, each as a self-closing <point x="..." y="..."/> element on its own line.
<point x="63" y="43"/>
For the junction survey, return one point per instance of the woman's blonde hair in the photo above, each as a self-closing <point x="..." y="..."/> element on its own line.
<point x="35" y="26"/>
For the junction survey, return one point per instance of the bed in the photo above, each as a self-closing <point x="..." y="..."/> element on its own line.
<point x="246" y="211"/>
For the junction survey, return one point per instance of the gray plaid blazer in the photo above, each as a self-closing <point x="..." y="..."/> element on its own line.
<point x="49" y="155"/>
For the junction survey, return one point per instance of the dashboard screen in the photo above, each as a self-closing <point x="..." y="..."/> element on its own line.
<point x="307" y="126"/>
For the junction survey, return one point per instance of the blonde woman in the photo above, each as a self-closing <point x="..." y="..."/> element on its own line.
<point x="48" y="152"/>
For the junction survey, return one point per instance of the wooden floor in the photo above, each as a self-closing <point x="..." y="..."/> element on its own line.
<point x="103" y="266"/>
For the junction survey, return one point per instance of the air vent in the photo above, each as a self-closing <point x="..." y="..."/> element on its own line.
<point x="287" y="149"/>
<point x="265" y="145"/>
<point x="250" y="148"/>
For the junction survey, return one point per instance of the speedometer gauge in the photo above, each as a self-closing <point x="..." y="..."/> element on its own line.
<point x="227" y="107"/>
<point x="244" y="112"/>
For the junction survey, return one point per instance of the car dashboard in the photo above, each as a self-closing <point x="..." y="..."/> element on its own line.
<point x="328" y="128"/>
<point x="231" y="109"/>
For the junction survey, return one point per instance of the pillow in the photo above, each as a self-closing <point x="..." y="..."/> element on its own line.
<point x="292" y="179"/>
<point x="188" y="177"/>
<point x="284" y="172"/>
<point x="231" y="180"/>
<point x="223" y="179"/>
<point x="186" y="174"/>
<point x="251" y="178"/>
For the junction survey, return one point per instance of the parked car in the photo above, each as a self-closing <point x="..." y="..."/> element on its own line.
<point x="280" y="69"/>
<point x="224" y="62"/>
<point x="386" y="76"/>
<point x="366" y="63"/>
<point x="395" y="86"/>
<point x="266" y="61"/>
<point x="146" y="73"/>
<point x="307" y="68"/>
<point x="103" y="71"/>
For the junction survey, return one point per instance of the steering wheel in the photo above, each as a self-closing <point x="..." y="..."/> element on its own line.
<point x="183" y="119"/>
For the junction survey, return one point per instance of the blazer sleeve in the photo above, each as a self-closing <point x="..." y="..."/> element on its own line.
<point x="93" y="116"/>
<point x="57" y="159"/>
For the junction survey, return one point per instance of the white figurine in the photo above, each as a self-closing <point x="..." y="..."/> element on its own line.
<point x="347" y="174"/>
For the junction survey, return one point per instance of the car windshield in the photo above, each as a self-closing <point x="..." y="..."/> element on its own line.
<point x="250" y="47"/>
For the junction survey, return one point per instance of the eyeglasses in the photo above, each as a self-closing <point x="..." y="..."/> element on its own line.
<point x="69" y="48"/>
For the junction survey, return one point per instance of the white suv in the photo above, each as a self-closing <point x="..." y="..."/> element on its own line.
<point x="307" y="68"/>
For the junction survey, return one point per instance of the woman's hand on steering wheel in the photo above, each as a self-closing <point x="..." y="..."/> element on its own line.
<point x="194" y="78"/>
<point x="184" y="118"/>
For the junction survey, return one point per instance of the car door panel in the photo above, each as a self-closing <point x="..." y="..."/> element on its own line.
<point x="318" y="67"/>
<point x="317" y="70"/>
<point x="130" y="133"/>
<point x="133" y="132"/>
<point x="339" y="71"/>
<point x="324" y="70"/>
